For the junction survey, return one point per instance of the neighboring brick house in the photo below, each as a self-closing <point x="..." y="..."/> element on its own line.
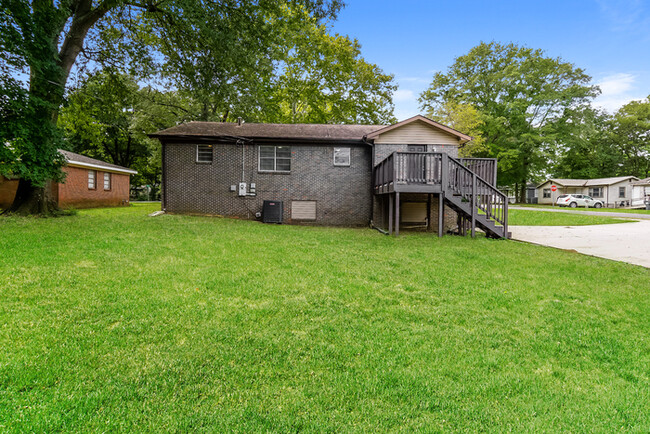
<point x="323" y="174"/>
<point x="88" y="183"/>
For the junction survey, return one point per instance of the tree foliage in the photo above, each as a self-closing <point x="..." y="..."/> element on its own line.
<point x="629" y="132"/>
<point x="43" y="39"/>
<point x="584" y="149"/>
<point x="521" y="95"/>
<point x="324" y="79"/>
<point x="465" y="118"/>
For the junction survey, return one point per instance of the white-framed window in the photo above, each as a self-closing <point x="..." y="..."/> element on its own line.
<point x="341" y="156"/>
<point x="596" y="192"/>
<point x="107" y="181"/>
<point x="204" y="153"/>
<point x="92" y="180"/>
<point x="621" y="192"/>
<point x="546" y="193"/>
<point x="274" y="159"/>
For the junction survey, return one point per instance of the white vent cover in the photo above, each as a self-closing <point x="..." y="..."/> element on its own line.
<point x="303" y="210"/>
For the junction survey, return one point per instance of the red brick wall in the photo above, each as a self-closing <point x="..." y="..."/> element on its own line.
<point x="7" y="191"/>
<point x="74" y="193"/>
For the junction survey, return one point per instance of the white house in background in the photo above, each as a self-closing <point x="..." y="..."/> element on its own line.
<point x="614" y="192"/>
<point x="640" y="193"/>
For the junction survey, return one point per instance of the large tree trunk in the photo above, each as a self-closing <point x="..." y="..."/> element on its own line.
<point x="31" y="199"/>
<point x="49" y="72"/>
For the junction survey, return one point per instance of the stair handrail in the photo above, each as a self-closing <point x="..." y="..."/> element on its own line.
<point x="496" y="211"/>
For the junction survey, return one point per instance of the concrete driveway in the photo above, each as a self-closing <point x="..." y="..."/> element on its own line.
<point x="626" y="242"/>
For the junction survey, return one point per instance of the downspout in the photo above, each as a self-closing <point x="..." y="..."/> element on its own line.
<point x="164" y="178"/>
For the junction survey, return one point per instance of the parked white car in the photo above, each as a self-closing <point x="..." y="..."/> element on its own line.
<point x="576" y="200"/>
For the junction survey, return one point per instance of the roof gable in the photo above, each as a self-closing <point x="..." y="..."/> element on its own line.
<point x="462" y="138"/>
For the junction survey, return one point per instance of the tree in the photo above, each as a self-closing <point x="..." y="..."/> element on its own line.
<point x="584" y="148"/>
<point x="464" y="118"/>
<point x="520" y="94"/>
<point x="44" y="39"/>
<point x="324" y="79"/>
<point x="629" y="132"/>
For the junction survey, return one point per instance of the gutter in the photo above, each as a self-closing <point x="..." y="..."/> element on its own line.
<point x="73" y="163"/>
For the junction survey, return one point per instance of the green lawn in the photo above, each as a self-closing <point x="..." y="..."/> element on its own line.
<point x="522" y="217"/>
<point x="114" y="321"/>
<point x="627" y="211"/>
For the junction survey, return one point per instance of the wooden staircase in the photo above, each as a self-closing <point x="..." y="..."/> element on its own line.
<point x="476" y="201"/>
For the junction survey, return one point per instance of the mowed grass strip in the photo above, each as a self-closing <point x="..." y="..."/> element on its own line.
<point x="583" y="209"/>
<point x="521" y="217"/>
<point x="114" y="321"/>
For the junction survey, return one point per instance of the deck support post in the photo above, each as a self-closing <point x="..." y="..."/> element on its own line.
<point x="473" y="204"/>
<point x="429" y="223"/>
<point x="441" y="214"/>
<point x="397" y="214"/>
<point x="390" y="214"/>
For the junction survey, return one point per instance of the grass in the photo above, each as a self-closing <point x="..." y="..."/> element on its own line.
<point x="521" y="217"/>
<point x="114" y="321"/>
<point x="627" y="211"/>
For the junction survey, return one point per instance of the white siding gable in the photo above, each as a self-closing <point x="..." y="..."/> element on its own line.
<point x="417" y="133"/>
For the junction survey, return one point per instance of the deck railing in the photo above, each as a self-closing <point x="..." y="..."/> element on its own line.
<point x="426" y="168"/>
<point x="486" y="168"/>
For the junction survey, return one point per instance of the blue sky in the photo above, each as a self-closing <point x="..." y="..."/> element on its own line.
<point x="609" y="39"/>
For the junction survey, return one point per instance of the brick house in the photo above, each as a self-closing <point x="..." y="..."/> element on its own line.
<point x="349" y="175"/>
<point x="89" y="183"/>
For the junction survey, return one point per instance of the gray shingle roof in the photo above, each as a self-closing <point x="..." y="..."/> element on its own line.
<point x="270" y="131"/>
<point x="82" y="160"/>
<point x="586" y="182"/>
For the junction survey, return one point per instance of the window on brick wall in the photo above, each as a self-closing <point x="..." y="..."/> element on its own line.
<point x="275" y="159"/>
<point x="107" y="181"/>
<point x="204" y="153"/>
<point x="341" y="156"/>
<point x="92" y="180"/>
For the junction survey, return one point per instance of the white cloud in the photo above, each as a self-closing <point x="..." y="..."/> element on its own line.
<point x="616" y="84"/>
<point x="617" y="90"/>
<point x="404" y="95"/>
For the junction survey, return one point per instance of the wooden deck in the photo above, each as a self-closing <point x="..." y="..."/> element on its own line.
<point x="457" y="182"/>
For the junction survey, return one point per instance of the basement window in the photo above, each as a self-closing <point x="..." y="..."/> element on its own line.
<point x="274" y="159"/>
<point x="92" y="180"/>
<point x="341" y="156"/>
<point x="204" y="153"/>
<point x="107" y="181"/>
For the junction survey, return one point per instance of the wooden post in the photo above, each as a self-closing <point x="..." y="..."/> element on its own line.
<point x="397" y="214"/>
<point x="473" y="204"/>
<point x="444" y="172"/>
<point x="505" y="218"/>
<point x="429" y="212"/>
<point x="390" y="214"/>
<point x="441" y="214"/>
